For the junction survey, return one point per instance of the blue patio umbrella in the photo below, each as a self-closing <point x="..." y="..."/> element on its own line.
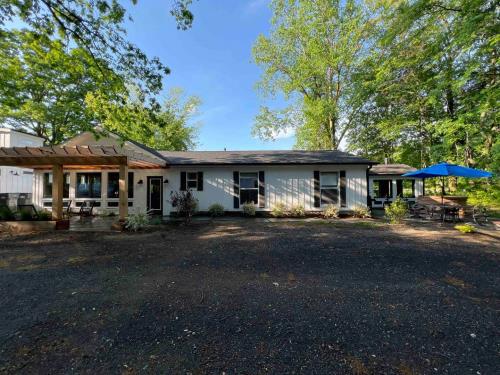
<point x="446" y="169"/>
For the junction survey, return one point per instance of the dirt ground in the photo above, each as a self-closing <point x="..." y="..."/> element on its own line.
<point x="251" y="298"/>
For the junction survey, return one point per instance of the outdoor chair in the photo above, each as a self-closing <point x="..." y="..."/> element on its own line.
<point x="67" y="212"/>
<point x="23" y="199"/>
<point x="30" y="208"/>
<point x="451" y="213"/>
<point x="419" y="211"/>
<point x="86" y="208"/>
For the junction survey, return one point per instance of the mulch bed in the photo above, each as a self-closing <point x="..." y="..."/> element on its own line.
<point x="251" y="298"/>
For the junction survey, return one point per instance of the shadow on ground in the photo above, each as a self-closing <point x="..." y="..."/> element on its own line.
<point x="251" y="297"/>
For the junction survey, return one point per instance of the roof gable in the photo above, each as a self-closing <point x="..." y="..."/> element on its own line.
<point x="110" y="139"/>
<point x="391" y="169"/>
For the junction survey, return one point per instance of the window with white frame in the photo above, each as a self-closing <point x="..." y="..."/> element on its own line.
<point x="249" y="187"/>
<point x="329" y="187"/>
<point x="47" y="185"/>
<point x="192" y="180"/>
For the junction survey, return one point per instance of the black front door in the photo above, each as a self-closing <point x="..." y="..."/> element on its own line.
<point x="155" y="194"/>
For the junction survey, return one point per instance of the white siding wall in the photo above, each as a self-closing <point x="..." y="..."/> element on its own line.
<point x="291" y="185"/>
<point x="16" y="180"/>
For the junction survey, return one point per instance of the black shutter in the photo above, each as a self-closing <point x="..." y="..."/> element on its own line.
<point x="262" y="190"/>
<point x="343" y="195"/>
<point x="236" y="189"/>
<point x="200" y="181"/>
<point x="317" y="190"/>
<point x="183" y="181"/>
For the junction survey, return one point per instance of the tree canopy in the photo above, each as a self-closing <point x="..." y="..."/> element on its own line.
<point x="414" y="81"/>
<point x="311" y="57"/>
<point x="71" y="68"/>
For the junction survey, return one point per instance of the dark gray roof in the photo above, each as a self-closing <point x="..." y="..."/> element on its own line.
<point x="391" y="169"/>
<point x="261" y="157"/>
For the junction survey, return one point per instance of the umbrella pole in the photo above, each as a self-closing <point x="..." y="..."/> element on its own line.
<point x="442" y="198"/>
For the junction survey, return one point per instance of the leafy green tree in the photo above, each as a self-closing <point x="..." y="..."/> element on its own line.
<point x="44" y="85"/>
<point x="97" y="28"/>
<point x="430" y="89"/>
<point x="311" y="58"/>
<point x="166" y="127"/>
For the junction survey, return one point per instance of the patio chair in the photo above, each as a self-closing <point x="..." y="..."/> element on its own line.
<point x="67" y="212"/>
<point x="480" y="215"/>
<point x="86" y="208"/>
<point x="23" y="199"/>
<point x="29" y="208"/>
<point x="419" y="211"/>
<point x="451" y="213"/>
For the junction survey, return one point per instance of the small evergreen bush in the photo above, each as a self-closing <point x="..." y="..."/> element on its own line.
<point x="216" y="210"/>
<point x="331" y="211"/>
<point x="298" y="211"/>
<point x="279" y="210"/>
<point x="362" y="212"/>
<point x="26" y="215"/>
<point x="396" y="211"/>
<point x="6" y="213"/>
<point x="465" y="228"/>
<point x="248" y="209"/>
<point x="44" y="215"/>
<point x="136" y="222"/>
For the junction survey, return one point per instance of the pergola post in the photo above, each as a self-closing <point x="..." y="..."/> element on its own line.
<point x="57" y="191"/>
<point x="123" y="192"/>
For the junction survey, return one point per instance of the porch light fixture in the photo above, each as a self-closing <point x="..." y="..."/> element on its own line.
<point x="140" y="182"/>
<point x="165" y="181"/>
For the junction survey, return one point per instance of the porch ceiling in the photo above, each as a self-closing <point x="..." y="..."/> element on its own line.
<point x="73" y="157"/>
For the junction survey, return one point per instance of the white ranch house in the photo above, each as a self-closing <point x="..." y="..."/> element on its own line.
<point x="312" y="179"/>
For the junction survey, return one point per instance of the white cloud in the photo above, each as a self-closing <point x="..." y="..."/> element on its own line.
<point x="283" y="134"/>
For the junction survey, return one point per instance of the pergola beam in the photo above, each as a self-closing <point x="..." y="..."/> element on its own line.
<point x="35" y="161"/>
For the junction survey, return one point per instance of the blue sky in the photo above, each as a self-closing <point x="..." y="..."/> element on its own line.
<point x="213" y="61"/>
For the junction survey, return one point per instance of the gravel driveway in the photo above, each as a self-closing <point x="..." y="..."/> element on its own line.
<point x="251" y="298"/>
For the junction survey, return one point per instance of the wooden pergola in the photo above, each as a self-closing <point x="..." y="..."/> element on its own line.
<point x="78" y="157"/>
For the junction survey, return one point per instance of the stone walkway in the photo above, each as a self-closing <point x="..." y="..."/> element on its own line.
<point x="91" y="223"/>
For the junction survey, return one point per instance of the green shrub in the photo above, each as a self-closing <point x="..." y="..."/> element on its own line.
<point x="331" y="211"/>
<point x="279" y="210"/>
<point x="216" y="210"/>
<point x="6" y="213"/>
<point x="396" y="211"/>
<point x="136" y="222"/>
<point x="155" y="220"/>
<point x="248" y="209"/>
<point x="298" y="211"/>
<point x="44" y="215"/>
<point x="362" y="212"/>
<point x="26" y="215"/>
<point x="465" y="228"/>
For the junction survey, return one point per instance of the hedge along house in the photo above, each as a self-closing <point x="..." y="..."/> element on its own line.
<point x="308" y="178"/>
<point x="386" y="183"/>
